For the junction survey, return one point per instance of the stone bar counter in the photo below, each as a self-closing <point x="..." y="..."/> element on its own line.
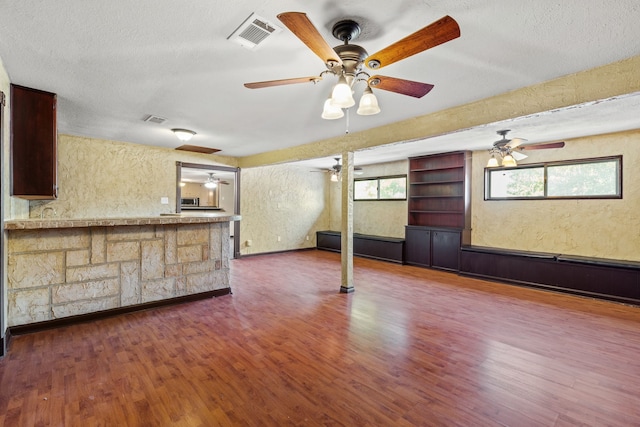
<point x="59" y="268"/>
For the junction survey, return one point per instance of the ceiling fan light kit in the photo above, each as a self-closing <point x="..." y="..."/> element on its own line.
<point x="368" y="103"/>
<point x="509" y="150"/>
<point x="508" y="161"/>
<point x="493" y="162"/>
<point x="330" y="111"/>
<point x="336" y="171"/>
<point x="342" y="94"/>
<point x="347" y="60"/>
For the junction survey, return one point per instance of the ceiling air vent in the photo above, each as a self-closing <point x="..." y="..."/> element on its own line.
<point x="154" y="119"/>
<point x="253" y="32"/>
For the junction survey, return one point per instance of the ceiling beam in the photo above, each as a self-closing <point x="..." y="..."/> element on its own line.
<point x="616" y="79"/>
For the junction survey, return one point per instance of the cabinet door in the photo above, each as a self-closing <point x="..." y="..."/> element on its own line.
<point x="33" y="144"/>
<point x="445" y="249"/>
<point x="417" y="246"/>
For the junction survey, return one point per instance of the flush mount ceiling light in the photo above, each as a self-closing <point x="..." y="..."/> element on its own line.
<point x="347" y="60"/>
<point x="183" y="134"/>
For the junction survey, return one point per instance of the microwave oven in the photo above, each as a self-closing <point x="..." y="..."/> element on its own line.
<point x="193" y="201"/>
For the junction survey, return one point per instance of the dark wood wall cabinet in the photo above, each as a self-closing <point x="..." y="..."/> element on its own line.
<point x="33" y="144"/>
<point x="377" y="247"/>
<point x="439" y="203"/>
<point x="594" y="277"/>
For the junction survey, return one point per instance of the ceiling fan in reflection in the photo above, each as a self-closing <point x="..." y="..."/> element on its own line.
<point x="212" y="182"/>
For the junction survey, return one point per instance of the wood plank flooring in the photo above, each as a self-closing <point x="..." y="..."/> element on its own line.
<point x="410" y="347"/>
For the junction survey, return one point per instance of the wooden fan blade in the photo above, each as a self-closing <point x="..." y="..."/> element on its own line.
<point x="441" y="31"/>
<point x="543" y="146"/>
<point x="301" y="26"/>
<point x="269" y="83"/>
<point x="404" y="87"/>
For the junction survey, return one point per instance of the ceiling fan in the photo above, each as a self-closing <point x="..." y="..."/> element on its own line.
<point x="212" y="182"/>
<point x="510" y="150"/>
<point x="336" y="169"/>
<point x="346" y="61"/>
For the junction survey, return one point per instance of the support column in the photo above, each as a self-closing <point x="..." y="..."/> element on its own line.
<point x="346" y="251"/>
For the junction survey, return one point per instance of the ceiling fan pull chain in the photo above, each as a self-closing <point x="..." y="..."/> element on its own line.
<point x="346" y="131"/>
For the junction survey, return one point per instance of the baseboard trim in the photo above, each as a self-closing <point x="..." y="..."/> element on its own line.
<point x="72" y="320"/>
<point x="278" y="252"/>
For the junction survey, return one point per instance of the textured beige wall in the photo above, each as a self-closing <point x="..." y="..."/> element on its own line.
<point x="12" y="206"/>
<point x="284" y="200"/>
<point x="379" y="218"/>
<point x="99" y="178"/>
<point x="597" y="228"/>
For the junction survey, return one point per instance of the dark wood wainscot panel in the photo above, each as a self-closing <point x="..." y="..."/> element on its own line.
<point x="596" y="277"/>
<point x="377" y="247"/>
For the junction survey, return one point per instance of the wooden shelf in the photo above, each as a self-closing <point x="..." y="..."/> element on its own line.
<point x="435" y="169"/>
<point x="437" y="182"/>
<point x="437" y="197"/>
<point x="439" y="190"/>
<point x="438" y="212"/>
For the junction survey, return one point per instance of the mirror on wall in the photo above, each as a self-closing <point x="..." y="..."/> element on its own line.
<point x="209" y="189"/>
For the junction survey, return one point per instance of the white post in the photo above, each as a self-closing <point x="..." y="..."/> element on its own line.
<point x="346" y="250"/>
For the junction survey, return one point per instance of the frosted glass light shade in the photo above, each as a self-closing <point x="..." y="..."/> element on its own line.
<point x="210" y="184"/>
<point x="342" y="96"/>
<point x="330" y="111"/>
<point x="509" y="161"/>
<point x="183" y="134"/>
<point x="493" y="162"/>
<point x="368" y="103"/>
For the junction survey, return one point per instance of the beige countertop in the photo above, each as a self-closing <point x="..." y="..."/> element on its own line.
<point x="181" y="218"/>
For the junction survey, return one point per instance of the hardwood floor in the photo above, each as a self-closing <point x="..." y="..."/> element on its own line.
<point x="410" y="347"/>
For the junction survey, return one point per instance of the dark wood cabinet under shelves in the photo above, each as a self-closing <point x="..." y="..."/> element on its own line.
<point x="433" y="247"/>
<point x="417" y="245"/>
<point x="33" y="144"/>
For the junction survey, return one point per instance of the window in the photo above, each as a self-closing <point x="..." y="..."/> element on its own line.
<point x="578" y="179"/>
<point x="381" y="188"/>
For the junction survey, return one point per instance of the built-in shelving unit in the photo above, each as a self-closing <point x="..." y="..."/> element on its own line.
<point x="437" y="195"/>
<point x="439" y="209"/>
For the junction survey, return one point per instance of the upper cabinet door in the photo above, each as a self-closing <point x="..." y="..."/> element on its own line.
<point x="33" y="144"/>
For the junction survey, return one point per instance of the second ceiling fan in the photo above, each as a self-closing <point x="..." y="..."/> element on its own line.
<point x="346" y="61"/>
<point x="510" y="150"/>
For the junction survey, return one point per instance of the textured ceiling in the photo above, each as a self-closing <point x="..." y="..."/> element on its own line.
<point x="113" y="63"/>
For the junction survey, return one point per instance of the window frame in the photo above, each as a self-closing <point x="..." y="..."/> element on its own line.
<point x="545" y="166"/>
<point x="378" y="178"/>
